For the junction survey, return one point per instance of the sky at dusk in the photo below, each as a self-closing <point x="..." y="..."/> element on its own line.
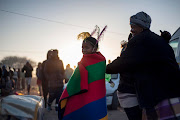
<point x="29" y="28"/>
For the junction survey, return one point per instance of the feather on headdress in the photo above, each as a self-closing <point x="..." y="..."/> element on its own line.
<point x="85" y="35"/>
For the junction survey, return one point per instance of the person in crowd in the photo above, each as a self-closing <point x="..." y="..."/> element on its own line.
<point x="124" y="44"/>
<point x="15" y="78"/>
<point x="7" y="85"/>
<point x="0" y="72"/>
<point x="108" y="76"/>
<point x="44" y="80"/>
<point x="68" y="73"/>
<point x="85" y="91"/>
<point x="54" y="74"/>
<point x="28" y="75"/>
<point x="19" y="79"/>
<point x="22" y="76"/>
<point x="38" y="74"/>
<point x="152" y="62"/>
<point x="126" y="91"/>
<point x="5" y="74"/>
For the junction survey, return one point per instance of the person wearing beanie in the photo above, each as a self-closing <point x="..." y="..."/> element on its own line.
<point x="152" y="63"/>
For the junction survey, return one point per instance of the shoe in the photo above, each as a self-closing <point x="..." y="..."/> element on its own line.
<point x="49" y="108"/>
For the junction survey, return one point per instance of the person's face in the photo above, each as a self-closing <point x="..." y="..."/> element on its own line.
<point x="135" y="30"/>
<point x="87" y="48"/>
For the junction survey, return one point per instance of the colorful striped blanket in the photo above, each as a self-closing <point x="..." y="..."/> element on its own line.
<point x="168" y="109"/>
<point x="84" y="98"/>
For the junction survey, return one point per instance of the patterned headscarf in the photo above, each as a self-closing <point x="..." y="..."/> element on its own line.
<point x="141" y="19"/>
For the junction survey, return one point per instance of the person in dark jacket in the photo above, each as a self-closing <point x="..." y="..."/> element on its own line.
<point x="54" y="74"/>
<point x="43" y="79"/>
<point x="28" y="75"/>
<point x="126" y="91"/>
<point x="152" y="62"/>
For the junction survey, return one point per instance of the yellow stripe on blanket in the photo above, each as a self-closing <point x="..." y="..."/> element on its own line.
<point x="105" y="118"/>
<point x="63" y="103"/>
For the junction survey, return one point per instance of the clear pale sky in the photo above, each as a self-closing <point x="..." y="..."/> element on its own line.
<point x="31" y="27"/>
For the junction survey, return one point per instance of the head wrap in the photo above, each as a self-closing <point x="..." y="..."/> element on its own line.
<point x="141" y="19"/>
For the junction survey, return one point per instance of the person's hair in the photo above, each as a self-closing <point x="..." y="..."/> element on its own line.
<point x="49" y="54"/>
<point x="92" y="41"/>
<point x="166" y="35"/>
<point x="55" y="54"/>
<point x="68" y="65"/>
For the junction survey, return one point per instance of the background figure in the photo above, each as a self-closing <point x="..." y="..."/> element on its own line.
<point x="54" y="74"/>
<point x="68" y="73"/>
<point x="22" y="76"/>
<point x="28" y="75"/>
<point x="126" y="90"/>
<point x="15" y="77"/>
<point x="124" y="44"/>
<point x="19" y="79"/>
<point x="7" y="85"/>
<point x="39" y="81"/>
<point x="0" y="73"/>
<point x="4" y="78"/>
<point x="44" y="80"/>
<point x="108" y="76"/>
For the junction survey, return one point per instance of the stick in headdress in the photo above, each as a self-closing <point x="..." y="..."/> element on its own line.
<point x="99" y="36"/>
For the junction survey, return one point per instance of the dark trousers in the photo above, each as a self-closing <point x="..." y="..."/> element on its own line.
<point x="151" y="114"/>
<point x="54" y="93"/>
<point x="134" y="113"/>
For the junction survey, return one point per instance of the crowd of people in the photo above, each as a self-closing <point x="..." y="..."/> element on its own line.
<point x="147" y="66"/>
<point x="11" y="80"/>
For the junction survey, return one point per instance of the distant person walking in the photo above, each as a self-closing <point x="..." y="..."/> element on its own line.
<point x="19" y="79"/>
<point x="39" y="77"/>
<point x="28" y="75"/>
<point x="68" y="72"/>
<point x="15" y="77"/>
<point x="22" y="76"/>
<point x="43" y="79"/>
<point x="54" y="74"/>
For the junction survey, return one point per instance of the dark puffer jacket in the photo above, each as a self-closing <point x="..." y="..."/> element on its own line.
<point x="153" y="66"/>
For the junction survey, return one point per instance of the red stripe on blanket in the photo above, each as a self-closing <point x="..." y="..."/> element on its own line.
<point x="84" y="77"/>
<point x="96" y="91"/>
<point x="90" y="59"/>
<point x="64" y="94"/>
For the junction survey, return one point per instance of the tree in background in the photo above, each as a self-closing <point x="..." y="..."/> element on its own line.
<point x="16" y="62"/>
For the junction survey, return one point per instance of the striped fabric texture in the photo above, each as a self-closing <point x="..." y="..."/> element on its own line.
<point x="84" y="98"/>
<point x="168" y="109"/>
